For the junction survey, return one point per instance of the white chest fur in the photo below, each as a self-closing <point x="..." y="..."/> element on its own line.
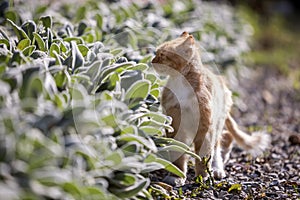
<point x="183" y="92"/>
<point x="184" y="95"/>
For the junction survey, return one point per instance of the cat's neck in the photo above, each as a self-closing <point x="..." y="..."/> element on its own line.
<point x="194" y="66"/>
<point x="189" y="79"/>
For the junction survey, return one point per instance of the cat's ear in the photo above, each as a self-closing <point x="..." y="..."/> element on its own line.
<point x="184" y="34"/>
<point x="190" y="41"/>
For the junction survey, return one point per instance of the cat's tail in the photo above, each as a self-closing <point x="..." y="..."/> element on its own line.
<point x="256" y="143"/>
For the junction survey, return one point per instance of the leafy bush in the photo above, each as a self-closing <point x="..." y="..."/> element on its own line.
<point x="80" y="115"/>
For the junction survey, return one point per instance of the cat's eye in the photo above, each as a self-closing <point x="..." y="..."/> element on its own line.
<point x="158" y="53"/>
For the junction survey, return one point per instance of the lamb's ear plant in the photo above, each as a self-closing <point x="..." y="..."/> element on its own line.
<point x="79" y="103"/>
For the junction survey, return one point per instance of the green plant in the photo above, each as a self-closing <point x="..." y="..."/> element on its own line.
<point x="79" y="105"/>
<point x="82" y="120"/>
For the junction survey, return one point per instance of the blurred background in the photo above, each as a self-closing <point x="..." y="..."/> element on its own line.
<point x="275" y="59"/>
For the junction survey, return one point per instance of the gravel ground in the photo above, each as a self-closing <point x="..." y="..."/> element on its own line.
<point x="266" y="101"/>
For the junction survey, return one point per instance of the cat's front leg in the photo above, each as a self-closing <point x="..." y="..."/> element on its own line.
<point x="204" y="150"/>
<point x="181" y="124"/>
<point x="201" y="167"/>
<point x="181" y="163"/>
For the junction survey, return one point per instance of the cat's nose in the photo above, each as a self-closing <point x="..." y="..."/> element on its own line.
<point x="155" y="60"/>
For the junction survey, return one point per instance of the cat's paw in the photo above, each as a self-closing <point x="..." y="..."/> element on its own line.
<point x="219" y="174"/>
<point x="174" y="181"/>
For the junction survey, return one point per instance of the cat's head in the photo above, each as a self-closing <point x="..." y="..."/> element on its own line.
<point x="174" y="56"/>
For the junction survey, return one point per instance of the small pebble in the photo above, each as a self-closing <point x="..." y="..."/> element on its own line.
<point x="294" y="139"/>
<point x="273" y="183"/>
<point x="276" y="188"/>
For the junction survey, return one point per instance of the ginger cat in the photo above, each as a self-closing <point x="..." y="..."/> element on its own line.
<point x="199" y="103"/>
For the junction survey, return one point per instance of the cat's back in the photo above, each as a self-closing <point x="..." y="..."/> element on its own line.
<point x="221" y="96"/>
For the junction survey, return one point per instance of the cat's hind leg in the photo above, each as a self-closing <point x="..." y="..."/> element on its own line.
<point x="217" y="163"/>
<point x="226" y="145"/>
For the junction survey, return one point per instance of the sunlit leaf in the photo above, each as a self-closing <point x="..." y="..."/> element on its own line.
<point x="17" y="57"/>
<point x="235" y="187"/>
<point x="27" y="51"/>
<point x="40" y="42"/>
<point x="83" y="49"/>
<point x="123" y="179"/>
<point x="151" y="77"/>
<point x="155" y="92"/>
<point x="129" y="77"/>
<point x="81" y="12"/>
<point x="6" y="42"/>
<point x="99" y="20"/>
<point x="131" y="190"/>
<point x="131" y="148"/>
<point x="18" y="31"/>
<point x="23" y="44"/>
<point x="169" y="166"/>
<point x="150" y="130"/>
<point x="129" y="129"/>
<point x="34" y="87"/>
<point x="110" y="120"/>
<point x="178" y="149"/>
<point x="140" y="66"/>
<point x="77" y="58"/>
<point x="115" y="157"/>
<point x="129" y="137"/>
<point x="97" y="193"/>
<point x="63" y="47"/>
<point x="12" y="15"/>
<point x="139" y="90"/>
<point x="117" y="52"/>
<point x="54" y="47"/>
<point x="81" y="28"/>
<point x="29" y="27"/>
<point x="72" y="188"/>
<point x="78" y="40"/>
<point x="49" y="37"/>
<point x="47" y="21"/>
<point x="107" y="69"/>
